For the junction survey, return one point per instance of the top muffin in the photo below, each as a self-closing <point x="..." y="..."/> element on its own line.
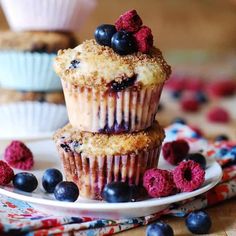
<point x="49" y="42"/>
<point x="94" y="65"/>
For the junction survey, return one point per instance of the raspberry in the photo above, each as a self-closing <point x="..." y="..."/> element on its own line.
<point x="158" y="183"/>
<point x="218" y="115"/>
<point x="174" y="152"/>
<point x="19" y="156"/>
<point x="222" y="88"/>
<point x="189" y="104"/>
<point x="176" y="83"/>
<point x="188" y="176"/>
<point x="6" y="173"/>
<point x="194" y="84"/>
<point x="129" y="21"/>
<point x="144" y="39"/>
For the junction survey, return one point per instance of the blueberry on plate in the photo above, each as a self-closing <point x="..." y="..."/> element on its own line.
<point x="221" y="137"/>
<point x="179" y="120"/>
<point x="198" y="222"/>
<point x="197" y="157"/>
<point x="51" y="178"/>
<point x="159" y="229"/>
<point x="201" y="97"/>
<point x="66" y="191"/>
<point x="25" y="181"/>
<point x="122" y="42"/>
<point x="117" y="192"/>
<point x="104" y="33"/>
<point x="176" y="94"/>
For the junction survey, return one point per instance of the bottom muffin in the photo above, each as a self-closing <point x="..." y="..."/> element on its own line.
<point x="93" y="160"/>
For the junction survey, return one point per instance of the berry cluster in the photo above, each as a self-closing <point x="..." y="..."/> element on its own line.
<point x="126" y="36"/>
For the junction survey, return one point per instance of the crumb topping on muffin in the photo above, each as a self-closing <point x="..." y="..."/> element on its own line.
<point x="93" y="144"/>
<point x="39" y="41"/>
<point x="93" y="65"/>
<point x="10" y="96"/>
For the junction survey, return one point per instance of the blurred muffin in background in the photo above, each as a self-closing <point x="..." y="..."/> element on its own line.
<point x="26" y="59"/>
<point x="10" y="96"/>
<point x="63" y="15"/>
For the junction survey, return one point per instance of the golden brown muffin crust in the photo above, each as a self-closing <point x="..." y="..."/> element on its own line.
<point x="36" y="41"/>
<point x="98" y="66"/>
<point x="10" y="96"/>
<point x="94" y="144"/>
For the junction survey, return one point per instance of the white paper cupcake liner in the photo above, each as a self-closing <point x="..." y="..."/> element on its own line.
<point x="29" y="119"/>
<point x="102" y="112"/>
<point x="64" y="15"/>
<point x="28" y="71"/>
<point x="91" y="174"/>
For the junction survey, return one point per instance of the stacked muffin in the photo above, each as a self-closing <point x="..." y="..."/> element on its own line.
<point x="31" y="98"/>
<point x="112" y="97"/>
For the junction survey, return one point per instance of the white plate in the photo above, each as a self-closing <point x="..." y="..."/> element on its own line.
<point x="46" y="157"/>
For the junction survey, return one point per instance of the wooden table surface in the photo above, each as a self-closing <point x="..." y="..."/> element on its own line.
<point x="223" y="215"/>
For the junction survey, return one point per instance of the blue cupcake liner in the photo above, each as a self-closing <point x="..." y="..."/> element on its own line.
<point x="28" y="71"/>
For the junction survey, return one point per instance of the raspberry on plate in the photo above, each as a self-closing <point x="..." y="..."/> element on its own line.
<point x="144" y="39"/>
<point x="6" y="173"/>
<point x="218" y="115"/>
<point x="159" y="183"/>
<point x="189" y="104"/>
<point x="188" y="176"/>
<point x="129" y="21"/>
<point x="175" y="151"/>
<point x="19" y="156"/>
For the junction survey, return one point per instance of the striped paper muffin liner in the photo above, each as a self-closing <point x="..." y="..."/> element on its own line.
<point x="117" y="112"/>
<point x="47" y="15"/>
<point x="92" y="173"/>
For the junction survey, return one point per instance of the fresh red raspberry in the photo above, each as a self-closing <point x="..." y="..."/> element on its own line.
<point x="189" y="104"/>
<point x="218" y="115"/>
<point x="129" y="21"/>
<point x="6" y="173"/>
<point x="194" y="84"/>
<point x="144" y="39"/>
<point x="188" y="176"/>
<point x="222" y="88"/>
<point x="174" y="152"/>
<point x="159" y="183"/>
<point x="19" y="156"/>
<point x="175" y="83"/>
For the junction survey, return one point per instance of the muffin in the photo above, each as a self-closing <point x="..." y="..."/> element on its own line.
<point x="48" y="15"/>
<point x="92" y="160"/>
<point x="31" y="114"/>
<point x="110" y="93"/>
<point x="11" y="96"/>
<point x="26" y="59"/>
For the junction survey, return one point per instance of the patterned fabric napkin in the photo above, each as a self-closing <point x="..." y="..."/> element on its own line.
<point x="19" y="218"/>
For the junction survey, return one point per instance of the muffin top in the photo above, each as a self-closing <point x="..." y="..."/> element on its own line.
<point x="93" y="144"/>
<point x="11" y="96"/>
<point x="97" y="66"/>
<point x="37" y="41"/>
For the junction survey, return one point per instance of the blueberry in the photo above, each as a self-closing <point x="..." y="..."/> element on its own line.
<point x="123" y="43"/>
<point x="198" y="222"/>
<point x="159" y="229"/>
<point x="66" y="191"/>
<point x="197" y="157"/>
<point x="117" y="192"/>
<point x="125" y="83"/>
<point x="104" y="33"/>
<point x="51" y="178"/>
<point x="222" y="137"/>
<point x="179" y="120"/>
<point x="25" y="181"/>
<point x="201" y="97"/>
<point x="176" y="94"/>
<point x="74" y="64"/>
